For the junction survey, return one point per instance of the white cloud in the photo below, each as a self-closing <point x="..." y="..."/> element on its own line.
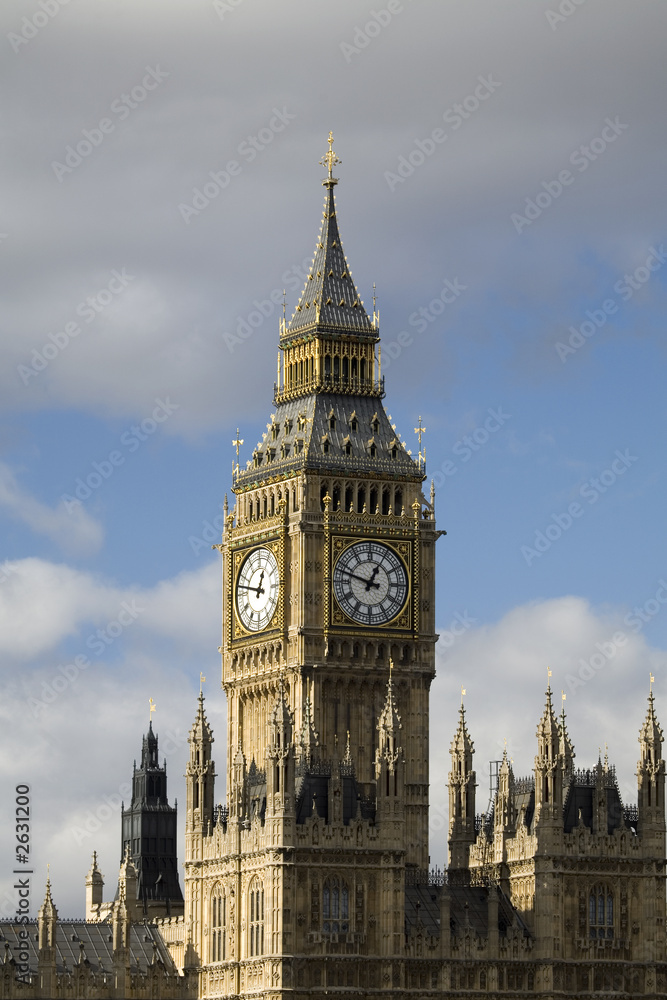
<point x="71" y="527"/>
<point x="42" y="603"/>
<point x="72" y="733"/>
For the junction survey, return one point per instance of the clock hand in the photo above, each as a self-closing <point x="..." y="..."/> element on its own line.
<point x="369" y="582"/>
<point x="362" y="579"/>
<point x="260" y="589"/>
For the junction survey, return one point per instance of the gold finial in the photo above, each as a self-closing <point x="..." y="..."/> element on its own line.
<point x="548" y="678"/>
<point x="463" y="691"/>
<point x="152" y="708"/>
<point x="237" y="442"/>
<point x="651" y="682"/>
<point x="202" y="679"/>
<point x="420" y="430"/>
<point x="330" y="159"/>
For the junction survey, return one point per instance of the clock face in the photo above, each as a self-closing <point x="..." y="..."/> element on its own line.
<point x="370" y="583"/>
<point x="257" y="589"/>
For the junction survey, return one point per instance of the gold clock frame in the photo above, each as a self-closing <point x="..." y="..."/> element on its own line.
<point x="403" y="548"/>
<point x="239" y="633"/>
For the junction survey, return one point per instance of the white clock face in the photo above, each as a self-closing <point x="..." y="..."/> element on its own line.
<point x="370" y="583"/>
<point x="257" y="589"/>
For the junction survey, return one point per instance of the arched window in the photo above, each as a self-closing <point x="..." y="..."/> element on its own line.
<point x="335" y="907"/>
<point x="218" y="924"/>
<point x="256" y="918"/>
<point x="601" y="912"/>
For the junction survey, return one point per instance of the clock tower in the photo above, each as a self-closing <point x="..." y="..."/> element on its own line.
<point x="328" y="650"/>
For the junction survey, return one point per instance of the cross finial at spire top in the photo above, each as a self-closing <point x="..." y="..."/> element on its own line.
<point x="330" y="159"/>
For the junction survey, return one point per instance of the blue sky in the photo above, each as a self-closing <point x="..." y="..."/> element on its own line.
<point x="501" y="184"/>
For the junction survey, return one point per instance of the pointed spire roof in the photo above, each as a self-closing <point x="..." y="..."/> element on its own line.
<point x="548" y="726"/>
<point x="48" y="909"/>
<point x="330" y="301"/>
<point x="651" y="731"/>
<point x="390" y="720"/>
<point x="149" y="749"/>
<point x="281" y="717"/>
<point x="389" y="726"/>
<point x="308" y="738"/>
<point x="462" y="742"/>
<point x="201" y="731"/>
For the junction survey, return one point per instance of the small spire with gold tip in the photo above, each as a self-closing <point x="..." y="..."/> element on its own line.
<point x="236" y="443"/>
<point x="152" y="707"/>
<point x="420" y="430"/>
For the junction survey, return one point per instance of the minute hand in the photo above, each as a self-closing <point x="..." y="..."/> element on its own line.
<point x="362" y="579"/>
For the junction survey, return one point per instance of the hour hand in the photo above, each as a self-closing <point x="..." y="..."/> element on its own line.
<point x="369" y="582"/>
<point x="260" y="589"/>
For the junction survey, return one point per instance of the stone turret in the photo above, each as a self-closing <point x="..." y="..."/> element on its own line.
<point x="548" y="769"/>
<point x="651" y="780"/>
<point x="462" y="786"/>
<point x="94" y="890"/>
<point x="200" y="774"/>
<point x="47" y="923"/>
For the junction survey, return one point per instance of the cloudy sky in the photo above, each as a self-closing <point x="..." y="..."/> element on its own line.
<point x="502" y="184"/>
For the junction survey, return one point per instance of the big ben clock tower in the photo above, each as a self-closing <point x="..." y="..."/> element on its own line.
<point x="327" y="658"/>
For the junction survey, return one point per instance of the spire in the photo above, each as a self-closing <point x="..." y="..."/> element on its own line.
<point x="280" y="724"/>
<point x="330" y="301"/>
<point x="565" y="744"/>
<point x="308" y="738"/>
<point x="650" y="734"/>
<point x="462" y="744"/>
<point x="389" y="725"/>
<point x="547" y="725"/>
<point x="461" y="794"/>
<point x="149" y="758"/>
<point x="94" y="890"/>
<point x="47" y="910"/>
<point x="201" y="730"/>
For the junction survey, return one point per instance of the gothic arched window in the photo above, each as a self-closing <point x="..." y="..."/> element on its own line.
<point x="335" y="907"/>
<point x="256" y="918"/>
<point x="218" y="924"/>
<point x="601" y="912"/>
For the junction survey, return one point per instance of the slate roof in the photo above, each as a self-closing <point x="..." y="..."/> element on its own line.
<point x="79" y="940"/>
<point x="468" y="906"/>
<point x="580" y="798"/>
<point x="330" y="300"/>
<point x="299" y="444"/>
